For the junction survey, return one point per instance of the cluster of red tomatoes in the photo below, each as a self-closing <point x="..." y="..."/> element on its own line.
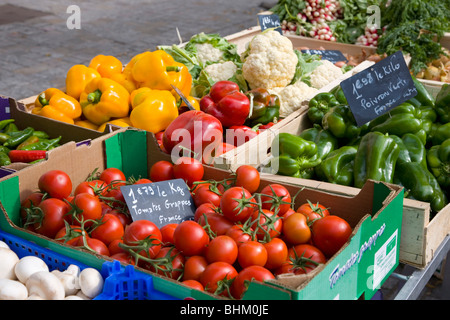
<point x="238" y="233"/>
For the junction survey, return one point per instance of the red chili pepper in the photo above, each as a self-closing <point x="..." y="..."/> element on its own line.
<point x="26" y="155"/>
<point x="226" y="103"/>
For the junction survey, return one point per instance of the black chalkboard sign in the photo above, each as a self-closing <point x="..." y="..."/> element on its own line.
<point x="160" y="202"/>
<point x="379" y="88"/>
<point x="330" y="55"/>
<point x="267" y="21"/>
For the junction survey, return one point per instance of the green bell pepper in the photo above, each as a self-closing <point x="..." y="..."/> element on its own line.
<point x="443" y="103"/>
<point x="429" y="117"/>
<point x="404" y="118"/>
<point x="375" y="158"/>
<point x="337" y="167"/>
<point x="416" y="149"/>
<point x="438" y="158"/>
<point x="341" y="122"/>
<point x="423" y="96"/>
<point x="441" y="133"/>
<point x="324" y="139"/>
<point x="265" y="107"/>
<point x="339" y="94"/>
<point x="319" y="106"/>
<point x="294" y="156"/>
<point x="420" y="184"/>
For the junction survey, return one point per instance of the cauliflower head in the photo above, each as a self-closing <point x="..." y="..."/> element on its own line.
<point x="270" y="61"/>
<point x="221" y="70"/>
<point x="207" y="52"/>
<point x="324" y="74"/>
<point x="292" y="97"/>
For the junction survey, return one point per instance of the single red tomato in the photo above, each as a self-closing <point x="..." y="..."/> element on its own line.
<point x="94" y="187"/>
<point x="247" y="275"/>
<point x="194" y="284"/>
<point x="167" y="233"/>
<point x="190" y="238"/>
<point x="252" y="253"/>
<point x="49" y="218"/>
<point x="112" y="175"/>
<point x="114" y="247"/>
<point x="188" y="169"/>
<point x="161" y="171"/>
<point x="88" y="207"/>
<point x="108" y="229"/>
<point x="221" y="248"/>
<point x="266" y="224"/>
<point x="216" y="221"/>
<point x="277" y="253"/>
<point x="330" y="233"/>
<point x="202" y="209"/>
<point x="216" y="276"/>
<point x="296" y="229"/>
<point x="237" y="204"/>
<point x="143" y="231"/>
<point x="247" y="177"/>
<point x="239" y="233"/>
<point x="277" y="199"/>
<point x="32" y="200"/>
<point x="206" y="194"/>
<point x="56" y="183"/>
<point x="313" y="211"/>
<point x="302" y="258"/>
<point x="194" y="267"/>
<point x="94" y="244"/>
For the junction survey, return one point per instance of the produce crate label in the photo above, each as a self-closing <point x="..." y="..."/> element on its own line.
<point x="160" y="202"/>
<point x="385" y="259"/>
<point x="330" y="55"/>
<point x="267" y="21"/>
<point x="379" y="88"/>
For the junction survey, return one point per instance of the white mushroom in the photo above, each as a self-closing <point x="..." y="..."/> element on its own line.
<point x="12" y="290"/>
<point x="46" y="285"/>
<point x="91" y="282"/>
<point x="3" y="245"/>
<point x="29" y="265"/>
<point x="81" y="295"/>
<point x="73" y="297"/>
<point x="69" y="279"/>
<point x="8" y="260"/>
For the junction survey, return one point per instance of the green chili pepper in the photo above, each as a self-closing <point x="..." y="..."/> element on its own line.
<point x="4" y="137"/>
<point x="319" y="105"/>
<point x="295" y="156"/>
<point x="4" y="159"/>
<point x="4" y="149"/>
<point x="375" y="158"/>
<point x="42" y="144"/>
<point x="337" y="167"/>
<point x="324" y="139"/>
<point x="12" y="127"/>
<point x="16" y="140"/>
<point x="438" y="159"/>
<point x="30" y="140"/>
<point x="40" y="134"/>
<point x="443" y="103"/>
<point x="5" y="123"/>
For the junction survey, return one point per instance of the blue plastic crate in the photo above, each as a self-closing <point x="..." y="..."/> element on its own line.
<point x="121" y="283"/>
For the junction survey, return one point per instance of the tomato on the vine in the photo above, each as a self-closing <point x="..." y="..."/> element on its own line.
<point x="194" y="267"/>
<point x="217" y="276"/>
<point x="69" y="234"/>
<point x="87" y="207"/>
<point x="172" y="268"/>
<point x="194" y="284"/>
<point x="252" y="253"/>
<point x="124" y="257"/>
<point x="49" y="217"/>
<point x="112" y="175"/>
<point x="161" y="170"/>
<point x="277" y="253"/>
<point x="296" y="229"/>
<point x="221" y="248"/>
<point x="167" y="231"/>
<point x="56" y="183"/>
<point x="94" y="187"/>
<point x="277" y="198"/>
<point x="140" y="231"/>
<point x="302" y="258"/>
<point x="216" y="222"/>
<point x="246" y="275"/>
<point x="237" y="204"/>
<point x="247" y="177"/>
<point x="313" y="211"/>
<point x="114" y="247"/>
<point x="239" y="233"/>
<point x="267" y="224"/>
<point x="190" y="238"/>
<point x="93" y="244"/>
<point x="330" y="233"/>
<point x="203" y="194"/>
<point x="108" y="229"/>
<point x="188" y="169"/>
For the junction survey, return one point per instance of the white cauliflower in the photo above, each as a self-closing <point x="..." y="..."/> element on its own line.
<point x="269" y="61"/>
<point x="207" y="52"/>
<point x="221" y="71"/>
<point x="292" y="97"/>
<point x="324" y="74"/>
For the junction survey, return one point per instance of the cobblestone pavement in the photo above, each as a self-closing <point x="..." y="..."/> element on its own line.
<point x="37" y="47"/>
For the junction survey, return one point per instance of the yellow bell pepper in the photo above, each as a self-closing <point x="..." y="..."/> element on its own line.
<point x="55" y="104"/>
<point x="107" y="66"/>
<point x="86" y="124"/>
<point x="125" y="80"/>
<point x="104" y="99"/>
<point x="138" y="95"/>
<point x="77" y="78"/>
<point x="122" y="122"/>
<point x="156" y="111"/>
<point x="159" y="71"/>
<point x="194" y="102"/>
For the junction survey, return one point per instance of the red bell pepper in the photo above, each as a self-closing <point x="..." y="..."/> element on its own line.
<point x="191" y="133"/>
<point x="226" y="103"/>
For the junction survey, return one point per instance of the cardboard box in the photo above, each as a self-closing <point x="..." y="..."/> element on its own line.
<point x="376" y="210"/>
<point x="421" y="235"/>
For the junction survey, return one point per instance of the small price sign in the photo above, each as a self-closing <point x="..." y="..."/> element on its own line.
<point x="160" y="202"/>
<point x="330" y="55"/>
<point x="267" y="21"/>
<point x="379" y="88"/>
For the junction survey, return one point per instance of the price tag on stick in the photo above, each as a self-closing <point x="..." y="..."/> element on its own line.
<point x="379" y="88"/>
<point x="268" y="21"/>
<point x="330" y="55"/>
<point x="160" y="202"/>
